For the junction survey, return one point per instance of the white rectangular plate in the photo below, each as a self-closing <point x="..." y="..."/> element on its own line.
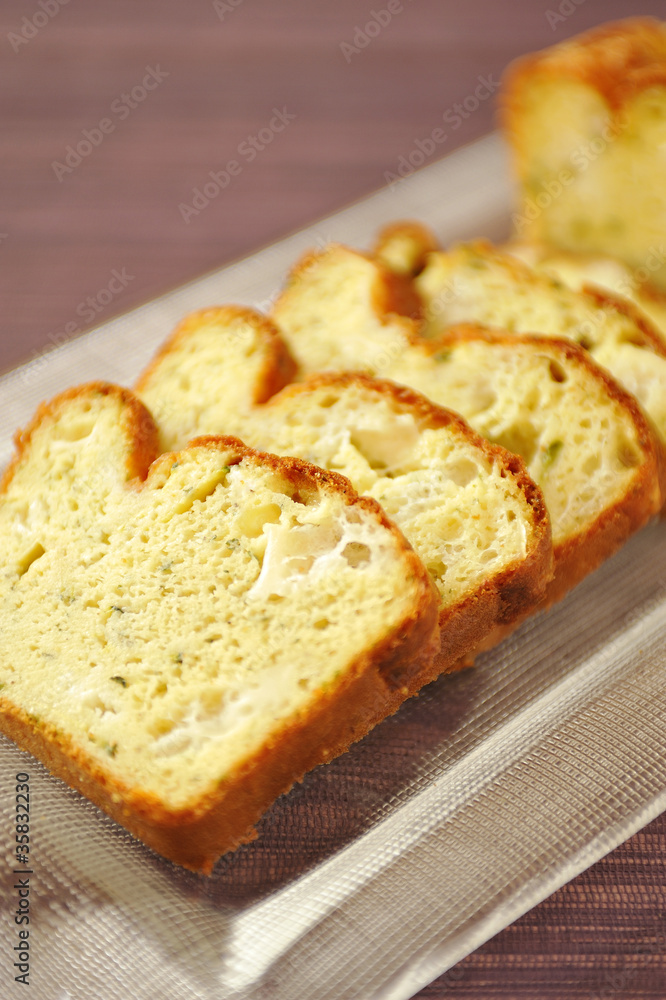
<point x="472" y="804"/>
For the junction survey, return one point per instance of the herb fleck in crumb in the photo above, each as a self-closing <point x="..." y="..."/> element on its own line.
<point x="551" y="453"/>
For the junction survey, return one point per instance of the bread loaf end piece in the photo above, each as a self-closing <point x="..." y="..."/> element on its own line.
<point x="586" y="123"/>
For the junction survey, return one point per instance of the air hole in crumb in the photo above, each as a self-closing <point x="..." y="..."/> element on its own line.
<point x="77" y="430"/>
<point x="628" y="455"/>
<point x="31" y="556"/>
<point x="585" y="342"/>
<point x="356" y="553"/>
<point x="322" y="623"/>
<point x="557" y="372"/>
<point x="437" y="568"/>
<point x="633" y="338"/>
<point x="326" y="402"/>
<point x="591" y="464"/>
<point x="160" y="727"/>
<point x="462" y="472"/>
<point x="510" y="515"/>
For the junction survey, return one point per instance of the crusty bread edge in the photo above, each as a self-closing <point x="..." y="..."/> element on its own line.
<point x="138" y="426"/>
<point x="580" y="555"/>
<point x="422" y="238"/>
<point x="393" y="296"/>
<point x="652" y="338"/>
<point x="373" y="686"/>
<point x="278" y="370"/>
<point x="563" y="61"/>
<point x="515" y="590"/>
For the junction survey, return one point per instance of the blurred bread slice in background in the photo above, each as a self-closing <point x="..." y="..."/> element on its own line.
<point x="586" y="124"/>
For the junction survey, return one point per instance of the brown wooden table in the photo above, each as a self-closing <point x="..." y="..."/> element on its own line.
<point x="81" y="242"/>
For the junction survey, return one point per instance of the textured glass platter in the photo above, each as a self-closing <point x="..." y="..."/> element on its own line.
<point x="476" y="801"/>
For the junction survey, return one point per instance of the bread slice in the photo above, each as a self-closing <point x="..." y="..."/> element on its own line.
<point x="584" y="440"/>
<point x="586" y="123"/>
<point x="248" y="365"/>
<point x="580" y="271"/>
<point x="182" y="649"/>
<point x="473" y="516"/>
<point x="477" y="283"/>
<point x="352" y="290"/>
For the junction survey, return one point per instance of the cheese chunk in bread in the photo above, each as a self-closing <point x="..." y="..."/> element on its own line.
<point x="182" y="649"/>
<point x="473" y="516"/>
<point x="547" y="401"/>
<point x="477" y="283"/>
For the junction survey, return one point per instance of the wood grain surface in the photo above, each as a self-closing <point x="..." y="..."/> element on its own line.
<point x="182" y="85"/>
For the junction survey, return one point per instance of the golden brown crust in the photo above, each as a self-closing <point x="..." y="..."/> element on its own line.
<point x="584" y="552"/>
<point x="373" y="687"/>
<point x="618" y="60"/>
<point x="139" y="427"/>
<point x="651" y="338"/>
<point x="279" y="367"/>
<point x="514" y="591"/>
<point x="647" y="335"/>
<point x="422" y="240"/>
<point x="393" y="296"/>
<point x="542" y="252"/>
